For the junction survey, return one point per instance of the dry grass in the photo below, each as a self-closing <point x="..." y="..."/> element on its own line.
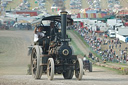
<point x="104" y="4"/>
<point x="33" y="4"/>
<point x="67" y="4"/>
<point x="85" y="4"/>
<point x="13" y="4"/>
<point x="48" y="6"/>
<point x="13" y="52"/>
<point x="124" y="3"/>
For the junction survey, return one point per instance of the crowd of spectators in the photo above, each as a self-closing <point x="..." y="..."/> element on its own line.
<point x="97" y="41"/>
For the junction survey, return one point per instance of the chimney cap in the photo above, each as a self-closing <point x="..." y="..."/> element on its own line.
<point x="63" y="12"/>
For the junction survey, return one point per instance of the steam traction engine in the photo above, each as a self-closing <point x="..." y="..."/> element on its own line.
<point x="56" y="57"/>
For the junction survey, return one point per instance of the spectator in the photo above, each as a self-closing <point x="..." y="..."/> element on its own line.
<point x="112" y="41"/>
<point x="116" y="45"/>
<point x="112" y="46"/>
<point x="127" y="58"/>
<point x="109" y="41"/>
<point x="120" y="45"/>
<point x="126" y="48"/>
<point x="109" y="46"/>
<point x="92" y="57"/>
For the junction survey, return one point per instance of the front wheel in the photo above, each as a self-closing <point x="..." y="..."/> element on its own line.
<point x="79" y="69"/>
<point x="50" y="69"/>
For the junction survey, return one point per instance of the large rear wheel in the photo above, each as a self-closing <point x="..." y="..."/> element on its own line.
<point x="50" y="69"/>
<point x="79" y="69"/>
<point x="35" y="62"/>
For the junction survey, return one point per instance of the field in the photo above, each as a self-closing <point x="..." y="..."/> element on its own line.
<point x="104" y="4"/>
<point x="15" y="3"/>
<point x="48" y="6"/>
<point x="14" y="61"/>
<point x="84" y="4"/>
<point x="124" y="3"/>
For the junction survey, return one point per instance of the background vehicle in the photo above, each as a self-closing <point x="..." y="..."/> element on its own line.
<point x="87" y="65"/>
<point x="111" y="33"/>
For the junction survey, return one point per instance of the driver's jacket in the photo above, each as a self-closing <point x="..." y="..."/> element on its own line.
<point x="38" y="35"/>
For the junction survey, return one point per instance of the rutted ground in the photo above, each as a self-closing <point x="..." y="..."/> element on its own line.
<point x="14" y="61"/>
<point x="97" y="77"/>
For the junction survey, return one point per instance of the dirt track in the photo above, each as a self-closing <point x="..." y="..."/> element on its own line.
<point x="97" y="77"/>
<point x="14" y="61"/>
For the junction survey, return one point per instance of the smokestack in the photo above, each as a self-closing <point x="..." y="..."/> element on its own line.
<point x="63" y="24"/>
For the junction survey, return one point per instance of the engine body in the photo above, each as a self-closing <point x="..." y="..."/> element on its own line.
<point x="59" y="49"/>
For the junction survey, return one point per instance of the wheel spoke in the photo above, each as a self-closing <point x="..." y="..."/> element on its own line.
<point x="49" y="68"/>
<point x="34" y="51"/>
<point x="34" y="68"/>
<point x="34" y="61"/>
<point x="35" y="56"/>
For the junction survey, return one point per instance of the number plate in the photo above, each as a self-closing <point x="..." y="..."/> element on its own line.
<point x="66" y="40"/>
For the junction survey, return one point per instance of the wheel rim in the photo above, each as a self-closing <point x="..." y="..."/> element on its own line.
<point x="50" y="69"/>
<point x="79" y="69"/>
<point x="35" y="62"/>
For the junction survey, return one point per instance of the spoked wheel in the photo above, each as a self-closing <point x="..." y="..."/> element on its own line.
<point x="50" y="69"/>
<point x="79" y="69"/>
<point x="68" y="74"/>
<point x="35" y="62"/>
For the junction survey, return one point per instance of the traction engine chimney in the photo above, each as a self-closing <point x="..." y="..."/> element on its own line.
<point x="63" y="25"/>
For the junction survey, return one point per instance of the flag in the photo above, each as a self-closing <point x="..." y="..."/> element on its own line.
<point x="58" y="9"/>
<point x="52" y="10"/>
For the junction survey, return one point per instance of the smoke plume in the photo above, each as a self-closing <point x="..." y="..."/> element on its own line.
<point x="60" y="4"/>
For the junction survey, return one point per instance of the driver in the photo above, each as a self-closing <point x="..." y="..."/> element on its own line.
<point x="52" y="32"/>
<point x="38" y="34"/>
